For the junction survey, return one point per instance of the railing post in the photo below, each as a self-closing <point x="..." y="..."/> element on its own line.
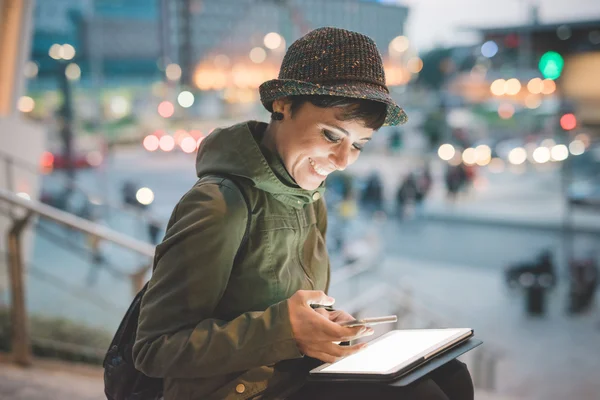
<point x="477" y="366"/>
<point x="21" y="343"/>
<point x="137" y="279"/>
<point x="491" y="373"/>
<point x="8" y="164"/>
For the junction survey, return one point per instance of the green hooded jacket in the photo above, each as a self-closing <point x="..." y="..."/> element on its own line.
<point x="215" y="329"/>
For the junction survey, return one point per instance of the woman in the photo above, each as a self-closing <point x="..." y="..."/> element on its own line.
<point x="227" y="314"/>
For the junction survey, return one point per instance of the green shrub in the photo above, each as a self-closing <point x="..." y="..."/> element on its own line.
<point x="95" y="341"/>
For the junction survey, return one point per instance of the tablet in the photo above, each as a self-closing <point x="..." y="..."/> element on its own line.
<point x="394" y="354"/>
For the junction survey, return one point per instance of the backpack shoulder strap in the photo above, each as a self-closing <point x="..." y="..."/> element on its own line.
<point x="249" y="208"/>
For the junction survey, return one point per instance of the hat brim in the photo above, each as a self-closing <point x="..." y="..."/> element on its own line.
<point x="277" y="88"/>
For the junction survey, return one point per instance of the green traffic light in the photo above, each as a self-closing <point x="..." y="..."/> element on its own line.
<point x="551" y="65"/>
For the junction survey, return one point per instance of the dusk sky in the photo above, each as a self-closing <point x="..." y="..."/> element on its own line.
<point x="434" y="22"/>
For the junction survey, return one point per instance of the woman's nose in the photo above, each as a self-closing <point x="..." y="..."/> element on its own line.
<point x="340" y="157"/>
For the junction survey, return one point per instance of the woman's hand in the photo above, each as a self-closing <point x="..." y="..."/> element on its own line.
<point x="315" y="332"/>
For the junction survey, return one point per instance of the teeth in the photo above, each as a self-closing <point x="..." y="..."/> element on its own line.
<point x="319" y="170"/>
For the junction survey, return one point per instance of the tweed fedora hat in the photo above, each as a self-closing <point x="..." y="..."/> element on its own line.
<point x="334" y="62"/>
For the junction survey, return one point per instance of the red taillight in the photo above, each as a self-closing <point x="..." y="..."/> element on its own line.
<point x="47" y="160"/>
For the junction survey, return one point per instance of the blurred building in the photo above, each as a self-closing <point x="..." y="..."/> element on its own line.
<point x="567" y="52"/>
<point x="114" y="40"/>
<point x="195" y="31"/>
<point x="551" y="66"/>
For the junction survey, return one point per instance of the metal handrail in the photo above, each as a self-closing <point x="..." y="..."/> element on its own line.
<point x="21" y="340"/>
<point x="77" y="223"/>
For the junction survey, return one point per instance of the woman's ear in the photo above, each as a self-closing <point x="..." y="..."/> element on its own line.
<point x="279" y="105"/>
<point x="284" y="106"/>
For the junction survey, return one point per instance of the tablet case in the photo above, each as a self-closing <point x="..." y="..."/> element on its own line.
<point x="415" y="374"/>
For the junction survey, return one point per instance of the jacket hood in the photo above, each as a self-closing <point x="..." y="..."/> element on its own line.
<point x="235" y="151"/>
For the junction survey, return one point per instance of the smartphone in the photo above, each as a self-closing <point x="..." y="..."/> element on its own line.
<point x="370" y="321"/>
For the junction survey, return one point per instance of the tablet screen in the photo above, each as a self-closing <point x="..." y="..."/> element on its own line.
<point x="396" y="349"/>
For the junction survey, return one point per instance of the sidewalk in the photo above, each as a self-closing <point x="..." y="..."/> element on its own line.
<point x="61" y="381"/>
<point x="511" y="204"/>
<point x="528" y="199"/>
<point x="554" y="357"/>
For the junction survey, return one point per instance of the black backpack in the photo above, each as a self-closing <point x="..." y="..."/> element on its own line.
<point x="121" y="380"/>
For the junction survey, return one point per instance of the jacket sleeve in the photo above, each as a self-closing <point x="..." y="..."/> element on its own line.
<point x="176" y="335"/>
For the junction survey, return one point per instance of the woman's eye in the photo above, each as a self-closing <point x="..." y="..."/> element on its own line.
<point x="330" y="136"/>
<point x="358" y="147"/>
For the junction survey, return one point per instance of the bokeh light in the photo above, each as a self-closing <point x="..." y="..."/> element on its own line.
<point x="483" y="155"/>
<point x="549" y="86"/>
<point x="446" y="152"/>
<point x="31" y="69"/>
<point x="166" y="143"/>
<point x="414" y="65"/>
<point x="73" y="72"/>
<point x="55" y="51"/>
<point x="173" y="72"/>
<point x="517" y="156"/>
<point x="563" y="32"/>
<point x="119" y="106"/>
<point x="188" y="144"/>
<point x="506" y="110"/>
<point x="469" y="156"/>
<point x="47" y="160"/>
<point x="498" y="87"/>
<point x="145" y="196"/>
<point x="272" y="40"/>
<point x="533" y="101"/>
<point x="535" y="86"/>
<point x="577" y="147"/>
<point x="185" y="99"/>
<point x="559" y="152"/>
<point x="25" y="104"/>
<point x="166" y="109"/>
<point x="24" y="195"/>
<point x="399" y="44"/>
<point x="150" y="143"/>
<point x="585" y="138"/>
<point x="541" y="155"/>
<point x="513" y="86"/>
<point x="258" y="55"/>
<point x="489" y="49"/>
<point x="568" y="122"/>
<point x="67" y="52"/>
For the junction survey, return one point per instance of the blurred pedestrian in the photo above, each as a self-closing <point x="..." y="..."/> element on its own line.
<point x="244" y="254"/>
<point x="455" y="180"/>
<point x="406" y="194"/>
<point x="424" y="181"/>
<point x="372" y="195"/>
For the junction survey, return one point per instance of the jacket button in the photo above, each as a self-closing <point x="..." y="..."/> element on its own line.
<point x="316" y="196"/>
<point x="240" y="388"/>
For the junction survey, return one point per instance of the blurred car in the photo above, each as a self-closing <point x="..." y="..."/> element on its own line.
<point x="51" y="160"/>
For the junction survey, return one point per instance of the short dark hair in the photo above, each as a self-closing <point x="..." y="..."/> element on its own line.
<point x="371" y="113"/>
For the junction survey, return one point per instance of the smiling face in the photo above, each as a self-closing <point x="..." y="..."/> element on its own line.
<point x="314" y="142"/>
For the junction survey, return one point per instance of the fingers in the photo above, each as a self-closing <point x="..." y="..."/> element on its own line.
<point x="315" y="297"/>
<point x="333" y="352"/>
<point x="323" y="357"/>
<point x="334" y="331"/>
<point x="341" y="351"/>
